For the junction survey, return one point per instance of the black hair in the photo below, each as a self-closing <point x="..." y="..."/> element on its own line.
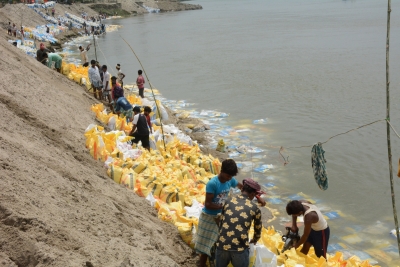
<point x="140" y="72"/>
<point x="147" y="109"/>
<point x="229" y="167"/>
<point x="113" y="78"/>
<point x="93" y="62"/>
<point x="104" y="67"/>
<point x="294" y="207"/>
<point x="80" y="47"/>
<point x="246" y="188"/>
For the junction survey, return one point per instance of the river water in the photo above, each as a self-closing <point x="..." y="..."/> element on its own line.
<point x="314" y="69"/>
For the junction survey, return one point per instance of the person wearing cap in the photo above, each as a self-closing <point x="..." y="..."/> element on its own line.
<point x="120" y="76"/>
<point x="316" y="230"/>
<point x="217" y="190"/>
<point x="95" y="79"/>
<point x="140" y="130"/>
<point x="140" y="83"/>
<point x="238" y="214"/>
<point x="84" y="56"/>
<point x="39" y="54"/>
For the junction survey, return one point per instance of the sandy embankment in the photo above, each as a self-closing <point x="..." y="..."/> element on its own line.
<point x="57" y="206"/>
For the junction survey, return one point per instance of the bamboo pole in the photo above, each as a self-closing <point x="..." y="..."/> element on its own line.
<point x="151" y="87"/>
<point x="388" y="125"/>
<point x="95" y="50"/>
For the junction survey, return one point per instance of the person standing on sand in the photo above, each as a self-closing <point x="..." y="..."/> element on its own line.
<point x="84" y="56"/>
<point x="316" y="230"/>
<point x="53" y="11"/>
<point x="95" y="80"/>
<point x="238" y="214"/>
<point x="9" y="28"/>
<point x="14" y="30"/>
<point x="140" y="83"/>
<point x="217" y="190"/>
<point x="40" y="52"/>
<point x="47" y="29"/>
<point x="140" y="129"/>
<point x="106" y="83"/>
<point x="120" y="76"/>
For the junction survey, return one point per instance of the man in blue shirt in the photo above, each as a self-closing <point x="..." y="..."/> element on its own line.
<point x="122" y="105"/>
<point x="217" y="190"/>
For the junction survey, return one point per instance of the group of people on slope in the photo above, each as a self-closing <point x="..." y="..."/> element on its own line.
<point x="44" y="56"/>
<point x="225" y="221"/>
<point x="142" y="126"/>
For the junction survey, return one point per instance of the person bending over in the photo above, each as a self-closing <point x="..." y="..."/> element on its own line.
<point x="316" y="229"/>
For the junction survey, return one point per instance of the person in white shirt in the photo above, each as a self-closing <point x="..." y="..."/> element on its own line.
<point x="84" y="57"/>
<point x="95" y="79"/>
<point x="120" y="76"/>
<point x="106" y="83"/>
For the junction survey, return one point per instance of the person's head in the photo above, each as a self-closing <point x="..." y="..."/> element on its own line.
<point x="140" y="72"/>
<point x="146" y="110"/>
<point x="294" y="207"/>
<point x="93" y="63"/>
<point x="136" y="109"/>
<point x="228" y="170"/>
<point x="113" y="80"/>
<point x="41" y="46"/>
<point x="251" y="188"/>
<point x="80" y="48"/>
<point x="249" y="191"/>
<point x="118" y="67"/>
<point x="104" y="68"/>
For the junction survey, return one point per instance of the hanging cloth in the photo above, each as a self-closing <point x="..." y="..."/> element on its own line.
<point x="318" y="165"/>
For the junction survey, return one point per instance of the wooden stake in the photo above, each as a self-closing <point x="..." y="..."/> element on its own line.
<point x="388" y="126"/>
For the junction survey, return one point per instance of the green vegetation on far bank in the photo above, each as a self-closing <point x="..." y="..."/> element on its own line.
<point x="111" y="9"/>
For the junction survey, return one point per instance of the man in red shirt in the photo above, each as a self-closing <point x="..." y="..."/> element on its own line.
<point x="140" y="83"/>
<point x="146" y="112"/>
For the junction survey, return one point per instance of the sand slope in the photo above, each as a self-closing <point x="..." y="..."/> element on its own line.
<point x="57" y="206"/>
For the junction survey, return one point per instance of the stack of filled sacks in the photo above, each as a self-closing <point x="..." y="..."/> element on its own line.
<point x="174" y="180"/>
<point x="174" y="177"/>
<point x="79" y="74"/>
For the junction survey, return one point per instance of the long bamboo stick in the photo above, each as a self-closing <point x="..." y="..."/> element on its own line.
<point x="151" y="87"/>
<point x="388" y="125"/>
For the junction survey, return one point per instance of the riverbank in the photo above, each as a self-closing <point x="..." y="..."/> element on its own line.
<point x="126" y="8"/>
<point x="58" y="207"/>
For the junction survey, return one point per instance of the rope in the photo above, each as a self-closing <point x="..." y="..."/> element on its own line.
<point x="286" y="160"/>
<point x="392" y="128"/>
<point x="151" y="87"/>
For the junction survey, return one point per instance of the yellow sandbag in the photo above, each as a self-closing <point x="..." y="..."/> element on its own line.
<point x="168" y="194"/>
<point x="140" y="189"/>
<point x="128" y="178"/>
<point x="115" y="173"/>
<point x="155" y="188"/>
<point x="139" y="168"/>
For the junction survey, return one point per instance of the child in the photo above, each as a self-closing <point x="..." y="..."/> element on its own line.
<point x="146" y="112"/>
